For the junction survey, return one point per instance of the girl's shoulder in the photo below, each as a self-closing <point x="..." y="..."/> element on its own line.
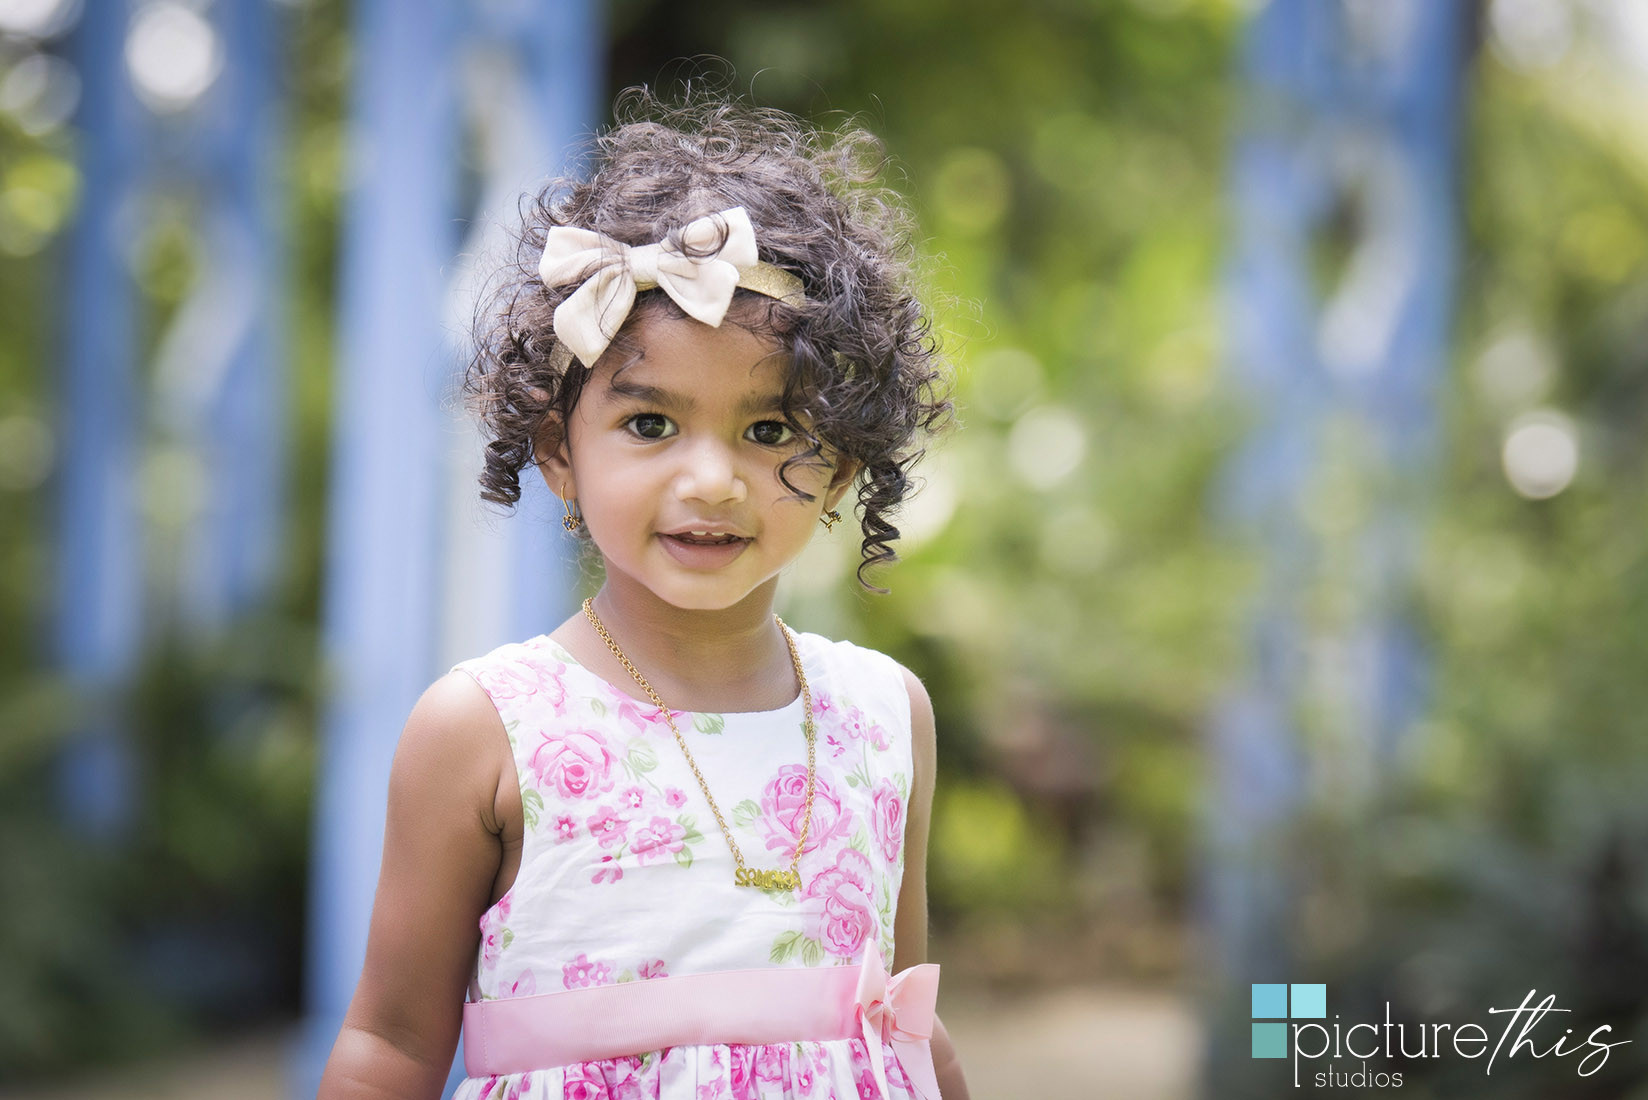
<point x="861" y="671"/>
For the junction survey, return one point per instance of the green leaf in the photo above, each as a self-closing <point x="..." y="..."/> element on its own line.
<point x="852" y="779"/>
<point x="812" y="952"/>
<point x="642" y="758"/>
<point x="598" y="707"/>
<point x="784" y="946"/>
<point x="506" y="939"/>
<point x="689" y="823"/>
<point x="745" y="812"/>
<point x="684" y="856"/>
<point x="626" y="975"/>
<point x="709" y="723"/>
<point x="860" y="841"/>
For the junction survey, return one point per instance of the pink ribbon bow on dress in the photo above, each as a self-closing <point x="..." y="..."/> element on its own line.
<point x="900" y="1011"/>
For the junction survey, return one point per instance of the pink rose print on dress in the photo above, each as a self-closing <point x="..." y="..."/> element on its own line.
<point x="492" y="931"/>
<point x="801" y="1076"/>
<point x="566" y="827"/>
<point x="716" y="1088"/>
<point x="742" y="1073"/>
<point x="574" y="763"/>
<point x="889" y="819"/>
<point x="524" y="986"/>
<point x="863" y="1075"/>
<point x="784" y="803"/>
<point x="553" y="690"/>
<point x="675" y="797"/>
<point x="643" y="716"/>
<point x="505" y="1088"/>
<point x="653" y="969"/>
<point x="511" y="680"/>
<point x="848" y="916"/>
<point x="609" y="866"/>
<point x="772" y="1062"/>
<point x="633" y="797"/>
<point x="896" y="1075"/>
<point x="607" y="827"/>
<point x="862" y="729"/>
<point x="584" y="1081"/>
<point x="624" y="1079"/>
<point x="659" y="839"/>
<point x="581" y="973"/>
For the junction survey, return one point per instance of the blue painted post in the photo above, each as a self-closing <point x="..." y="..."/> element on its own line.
<point x="406" y="594"/>
<point x="1350" y="106"/>
<point x="383" y="520"/>
<point x="222" y="391"/>
<point x="99" y="581"/>
<point x="537" y="70"/>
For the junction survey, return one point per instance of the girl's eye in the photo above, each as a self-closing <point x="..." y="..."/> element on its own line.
<point x="770" y="433"/>
<point x="651" y="425"/>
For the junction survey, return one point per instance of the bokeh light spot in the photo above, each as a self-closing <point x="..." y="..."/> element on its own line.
<point x="1540" y="454"/>
<point x="1046" y="445"/>
<point x="173" y="56"/>
<point x="972" y="189"/>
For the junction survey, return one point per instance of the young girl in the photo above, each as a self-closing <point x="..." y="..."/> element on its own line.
<point x="674" y="848"/>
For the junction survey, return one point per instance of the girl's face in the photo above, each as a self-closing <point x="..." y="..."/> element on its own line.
<point x="674" y="464"/>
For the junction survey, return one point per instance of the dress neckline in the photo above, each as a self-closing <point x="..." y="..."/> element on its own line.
<point x="560" y="652"/>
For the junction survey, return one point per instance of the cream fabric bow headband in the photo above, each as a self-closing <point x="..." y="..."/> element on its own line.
<point x="700" y="281"/>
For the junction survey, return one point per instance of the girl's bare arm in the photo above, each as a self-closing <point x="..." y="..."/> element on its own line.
<point x="441" y="853"/>
<point x="910" y="922"/>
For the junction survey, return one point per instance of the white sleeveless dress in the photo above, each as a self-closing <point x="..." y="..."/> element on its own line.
<point x="625" y="875"/>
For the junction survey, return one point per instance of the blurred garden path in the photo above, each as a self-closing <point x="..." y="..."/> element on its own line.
<point x="1070" y="1044"/>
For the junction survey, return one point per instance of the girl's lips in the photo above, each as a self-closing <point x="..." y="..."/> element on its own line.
<point x="696" y="553"/>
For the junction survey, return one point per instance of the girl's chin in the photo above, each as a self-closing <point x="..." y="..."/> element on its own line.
<point x="692" y="590"/>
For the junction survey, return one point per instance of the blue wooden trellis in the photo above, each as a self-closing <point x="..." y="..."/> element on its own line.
<point x="1351" y="120"/>
<point x="220" y="392"/>
<point x="414" y="580"/>
<point x="98" y="597"/>
<point x="216" y="398"/>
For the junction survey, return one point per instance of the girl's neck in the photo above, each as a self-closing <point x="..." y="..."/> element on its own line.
<point x="728" y="659"/>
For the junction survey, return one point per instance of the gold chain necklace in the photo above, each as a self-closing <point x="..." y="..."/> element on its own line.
<point x="763" y="879"/>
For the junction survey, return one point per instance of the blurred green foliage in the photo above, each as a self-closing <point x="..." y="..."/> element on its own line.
<point x="1063" y="592"/>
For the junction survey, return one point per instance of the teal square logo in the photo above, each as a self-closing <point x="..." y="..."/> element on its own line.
<point x="1270" y="1002"/>
<point x="1310" y="1002"/>
<point x="1269" y="1040"/>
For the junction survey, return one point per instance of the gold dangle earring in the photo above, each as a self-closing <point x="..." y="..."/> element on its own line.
<point x="571" y="521"/>
<point x="830" y="519"/>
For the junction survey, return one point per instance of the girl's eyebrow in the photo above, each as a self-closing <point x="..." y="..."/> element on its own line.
<point x="668" y="399"/>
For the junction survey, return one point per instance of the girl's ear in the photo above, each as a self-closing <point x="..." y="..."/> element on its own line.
<point x="553" y="459"/>
<point x="846" y="470"/>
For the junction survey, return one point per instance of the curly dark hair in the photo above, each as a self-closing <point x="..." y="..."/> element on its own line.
<point x="865" y="375"/>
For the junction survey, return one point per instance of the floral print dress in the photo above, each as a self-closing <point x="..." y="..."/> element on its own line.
<point x="625" y="875"/>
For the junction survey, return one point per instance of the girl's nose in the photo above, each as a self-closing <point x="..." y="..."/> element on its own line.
<point x="710" y="474"/>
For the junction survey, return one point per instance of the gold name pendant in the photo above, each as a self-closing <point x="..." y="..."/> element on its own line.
<point x="768" y="880"/>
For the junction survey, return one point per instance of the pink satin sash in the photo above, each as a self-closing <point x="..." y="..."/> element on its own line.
<point x="774" y="1005"/>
